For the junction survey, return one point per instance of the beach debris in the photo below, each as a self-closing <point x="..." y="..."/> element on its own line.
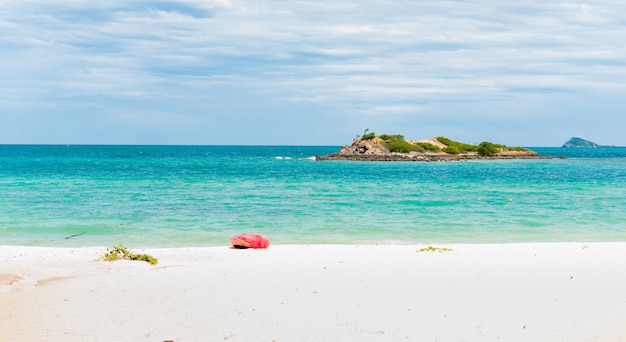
<point x="122" y="253"/>
<point x="435" y="249"/>
<point x="250" y="241"/>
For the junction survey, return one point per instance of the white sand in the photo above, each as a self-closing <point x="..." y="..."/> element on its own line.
<point x="510" y="292"/>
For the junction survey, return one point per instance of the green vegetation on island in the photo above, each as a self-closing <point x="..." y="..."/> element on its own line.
<point x="368" y="136"/>
<point x="485" y="148"/>
<point x="397" y="143"/>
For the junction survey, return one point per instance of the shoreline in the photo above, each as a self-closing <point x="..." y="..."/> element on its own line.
<point x="515" y="291"/>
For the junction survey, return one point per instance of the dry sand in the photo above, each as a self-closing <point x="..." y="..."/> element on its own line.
<point x="500" y="292"/>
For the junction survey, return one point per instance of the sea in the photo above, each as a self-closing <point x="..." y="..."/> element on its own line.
<point x="191" y="196"/>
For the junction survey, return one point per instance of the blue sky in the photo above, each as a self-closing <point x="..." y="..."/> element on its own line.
<point x="280" y="72"/>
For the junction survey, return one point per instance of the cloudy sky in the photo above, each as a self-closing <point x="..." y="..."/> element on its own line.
<point x="289" y="72"/>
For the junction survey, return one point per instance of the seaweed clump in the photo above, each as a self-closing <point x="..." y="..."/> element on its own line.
<point x="122" y="253"/>
<point x="435" y="249"/>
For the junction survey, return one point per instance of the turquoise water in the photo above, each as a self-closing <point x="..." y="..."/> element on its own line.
<point x="172" y="196"/>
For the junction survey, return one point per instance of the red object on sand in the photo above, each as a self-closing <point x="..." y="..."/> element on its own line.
<point x="250" y="241"/>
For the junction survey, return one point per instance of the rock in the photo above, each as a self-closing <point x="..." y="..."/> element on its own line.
<point x="580" y="143"/>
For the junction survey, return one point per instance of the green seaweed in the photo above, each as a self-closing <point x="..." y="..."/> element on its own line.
<point x="435" y="249"/>
<point x="122" y="253"/>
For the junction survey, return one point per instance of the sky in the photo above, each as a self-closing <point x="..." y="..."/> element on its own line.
<point x="289" y="72"/>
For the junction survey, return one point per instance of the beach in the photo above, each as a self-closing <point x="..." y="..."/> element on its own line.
<point x="484" y="292"/>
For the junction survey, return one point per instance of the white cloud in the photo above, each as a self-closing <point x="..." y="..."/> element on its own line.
<point x="351" y="57"/>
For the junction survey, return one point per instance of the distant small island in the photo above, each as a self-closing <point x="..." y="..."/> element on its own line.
<point x="385" y="147"/>
<point x="580" y="143"/>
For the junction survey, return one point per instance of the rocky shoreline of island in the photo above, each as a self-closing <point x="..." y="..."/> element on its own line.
<point x="372" y="147"/>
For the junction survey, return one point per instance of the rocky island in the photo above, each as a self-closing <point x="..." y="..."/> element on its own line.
<point x="372" y="147"/>
<point x="580" y="143"/>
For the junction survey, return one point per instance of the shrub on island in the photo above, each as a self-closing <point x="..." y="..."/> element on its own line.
<point x="396" y="143"/>
<point x="488" y="149"/>
<point x="458" y="147"/>
<point x="368" y="136"/>
<point x="429" y="147"/>
<point x="485" y="148"/>
<point x="452" y="150"/>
